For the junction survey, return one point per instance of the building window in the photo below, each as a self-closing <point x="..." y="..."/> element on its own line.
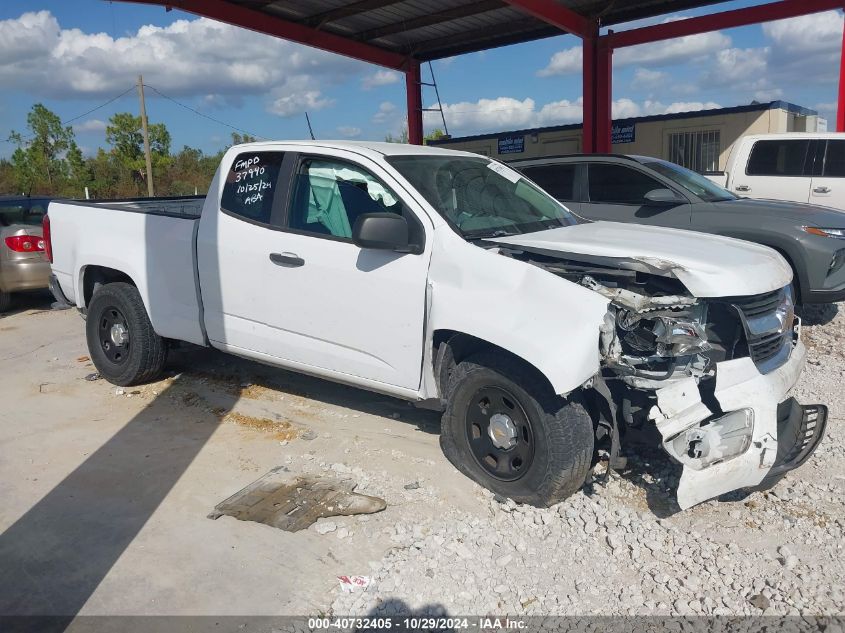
<point x="698" y="151"/>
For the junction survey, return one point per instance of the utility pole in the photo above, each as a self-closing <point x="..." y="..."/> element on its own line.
<point x="150" y="189"/>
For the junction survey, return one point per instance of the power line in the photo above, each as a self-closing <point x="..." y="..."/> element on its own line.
<point x="205" y="116"/>
<point x="76" y="118"/>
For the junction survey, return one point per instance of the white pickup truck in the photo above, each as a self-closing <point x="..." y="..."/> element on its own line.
<point x="449" y="279"/>
<point x="798" y="167"/>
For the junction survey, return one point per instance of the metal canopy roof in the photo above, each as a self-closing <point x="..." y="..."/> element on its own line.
<point x="433" y="29"/>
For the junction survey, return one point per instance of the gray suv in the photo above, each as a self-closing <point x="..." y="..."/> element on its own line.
<point x="23" y="264"/>
<point x="647" y="190"/>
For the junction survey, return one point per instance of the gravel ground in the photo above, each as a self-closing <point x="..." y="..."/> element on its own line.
<point x="620" y="546"/>
<point x="443" y="545"/>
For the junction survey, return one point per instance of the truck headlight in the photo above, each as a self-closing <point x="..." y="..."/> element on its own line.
<point x="665" y="336"/>
<point x="838" y="234"/>
<point x="679" y="337"/>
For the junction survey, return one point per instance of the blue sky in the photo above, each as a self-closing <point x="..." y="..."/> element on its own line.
<point x="74" y="56"/>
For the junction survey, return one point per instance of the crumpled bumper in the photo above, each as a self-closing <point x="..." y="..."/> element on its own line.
<point x="742" y="433"/>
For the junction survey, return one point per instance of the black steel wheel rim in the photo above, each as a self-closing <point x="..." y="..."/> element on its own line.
<point x="116" y="353"/>
<point x="507" y="461"/>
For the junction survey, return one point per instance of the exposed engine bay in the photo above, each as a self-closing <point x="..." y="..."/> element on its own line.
<point x="708" y="373"/>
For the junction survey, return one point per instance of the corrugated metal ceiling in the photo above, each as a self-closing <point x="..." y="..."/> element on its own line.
<point x="432" y="29"/>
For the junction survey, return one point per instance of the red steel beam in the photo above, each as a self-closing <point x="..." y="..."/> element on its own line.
<point x="279" y="27"/>
<point x="604" y="98"/>
<point x="413" y="88"/>
<point x="554" y="14"/>
<point x="840" y="111"/>
<point x="724" y="20"/>
<point x="588" y="96"/>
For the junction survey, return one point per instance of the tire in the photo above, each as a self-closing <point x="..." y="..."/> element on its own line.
<point x="5" y="300"/>
<point x="552" y="438"/>
<point x="121" y="341"/>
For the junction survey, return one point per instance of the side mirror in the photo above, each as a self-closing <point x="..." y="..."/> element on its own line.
<point x="382" y="231"/>
<point x="663" y="197"/>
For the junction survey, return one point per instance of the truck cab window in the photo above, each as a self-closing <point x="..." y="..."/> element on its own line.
<point x="250" y="185"/>
<point x="834" y="162"/>
<point x="778" y="158"/>
<point x="328" y="196"/>
<point x="618" y="184"/>
<point x="557" y="180"/>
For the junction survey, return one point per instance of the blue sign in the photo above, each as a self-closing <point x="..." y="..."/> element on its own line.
<point x="623" y="133"/>
<point x="511" y="144"/>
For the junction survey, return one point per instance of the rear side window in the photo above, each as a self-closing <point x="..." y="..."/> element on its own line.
<point x="557" y="180"/>
<point x="618" y="184"/>
<point x="834" y="162"/>
<point x="251" y="185"/>
<point x="29" y="213"/>
<point x="778" y="158"/>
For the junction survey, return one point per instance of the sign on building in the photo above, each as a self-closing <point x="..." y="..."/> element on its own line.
<point x="511" y="144"/>
<point x="623" y="133"/>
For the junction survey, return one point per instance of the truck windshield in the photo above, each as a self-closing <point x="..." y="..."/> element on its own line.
<point x="480" y="197"/>
<point x="691" y="181"/>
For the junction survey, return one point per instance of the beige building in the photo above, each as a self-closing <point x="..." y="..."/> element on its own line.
<point x="700" y="140"/>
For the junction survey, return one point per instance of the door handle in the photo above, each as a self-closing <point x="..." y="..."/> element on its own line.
<point x="821" y="190"/>
<point x="742" y="188"/>
<point x="288" y="260"/>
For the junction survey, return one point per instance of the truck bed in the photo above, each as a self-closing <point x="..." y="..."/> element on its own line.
<point x="152" y="240"/>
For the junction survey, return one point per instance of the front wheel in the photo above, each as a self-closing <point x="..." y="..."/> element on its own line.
<point x="121" y="341"/>
<point x="505" y="432"/>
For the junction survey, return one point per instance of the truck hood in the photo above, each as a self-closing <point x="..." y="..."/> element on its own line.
<point x="801" y="213"/>
<point x="708" y="265"/>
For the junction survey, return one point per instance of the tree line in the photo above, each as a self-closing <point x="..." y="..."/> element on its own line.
<point x="47" y="161"/>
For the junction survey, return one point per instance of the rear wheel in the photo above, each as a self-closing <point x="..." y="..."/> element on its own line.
<point x="5" y="300"/>
<point x="505" y="432"/>
<point x="121" y="341"/>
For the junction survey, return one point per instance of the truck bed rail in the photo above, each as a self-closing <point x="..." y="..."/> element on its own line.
<point x="187" y="207"/>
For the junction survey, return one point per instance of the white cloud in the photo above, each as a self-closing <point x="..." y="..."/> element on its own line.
<point x="560" y="112"/>
<point x="198" y="57"/>
<point x="348" y="131"/>
<point x="386" y="112"/>
<point x="91" y="125"/>
<point x="818" y="32"/>
<point x="508" y="113"/>
<point x="501" y="113"/>
<point x="625" y="108"/>
<point x="380" y="78"/>
<point x="739" y="65"/>
<point x="805" y="50"/>
<point x="691" y="106"/>
<point x="299" y="102"/>
<point x="646" y="79"/>
<point x="679" y="50"/>
<point x="566" y="62"/>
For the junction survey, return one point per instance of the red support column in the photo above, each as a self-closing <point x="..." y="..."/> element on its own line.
<point x="604" y="96"/>
<point x="413" y="88"/>
<point x="840" y="111"/>
<point x="588" y="98"/>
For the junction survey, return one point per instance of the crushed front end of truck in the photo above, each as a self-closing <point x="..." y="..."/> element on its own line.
<point x="711" y="375"/>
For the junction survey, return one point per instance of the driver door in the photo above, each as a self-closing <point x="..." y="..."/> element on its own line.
<point x="298" y="291"/>
<point x="616" y="193"/>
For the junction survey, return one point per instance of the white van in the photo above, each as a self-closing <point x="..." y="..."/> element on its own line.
<point x="803" y="167"/>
